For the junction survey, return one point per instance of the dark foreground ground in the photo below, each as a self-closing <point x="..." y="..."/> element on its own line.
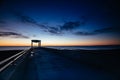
<point x="7" y="53"/>
<point x="52" y="64"/>
<point x="108" y="60"/>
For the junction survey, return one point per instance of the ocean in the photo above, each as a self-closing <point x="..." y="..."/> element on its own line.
<point x="85" y="47"/>
<point x="62" y="47"/>
<point x="2" y="48"/>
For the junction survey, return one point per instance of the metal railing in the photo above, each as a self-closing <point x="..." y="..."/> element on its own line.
<point x="12" y="59"/>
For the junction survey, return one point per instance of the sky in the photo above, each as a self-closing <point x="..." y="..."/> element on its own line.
<point x="59" y="22"/>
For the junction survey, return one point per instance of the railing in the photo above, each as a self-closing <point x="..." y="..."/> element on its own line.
<point x="7" y="62"/>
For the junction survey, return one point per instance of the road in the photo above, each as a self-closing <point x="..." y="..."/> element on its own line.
<point x="49" y="66"/>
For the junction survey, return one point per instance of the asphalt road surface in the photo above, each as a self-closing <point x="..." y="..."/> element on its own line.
<point x="44" y="65"/>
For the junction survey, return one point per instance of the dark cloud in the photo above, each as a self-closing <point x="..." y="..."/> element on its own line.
<point x="115" y="29"/>
<point x="108" y="29"/>
<point x="84" y="33"/>
<point x="12" y="34"/>
<point x="67" y="26"/>
<point x="54" y="30"/>
<point x="70" y="25"/>
<point x="27" y="19"/>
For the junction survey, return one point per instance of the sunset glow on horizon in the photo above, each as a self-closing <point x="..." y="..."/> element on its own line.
<point x="59" y="23"/>
<point x="57" y="43"/>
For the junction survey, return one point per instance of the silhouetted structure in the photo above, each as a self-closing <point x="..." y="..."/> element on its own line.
<point x="36" y="41"/>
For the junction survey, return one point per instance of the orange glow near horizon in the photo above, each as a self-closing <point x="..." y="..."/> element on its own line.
<point x="59" y="43"/>
<point x="91" y="43"/>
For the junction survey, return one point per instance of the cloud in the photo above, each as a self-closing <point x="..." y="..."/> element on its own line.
<point x="67" y="26"/>
<point x="54" y="30"/>
<point x="108" y="29"/>
<point x="12" y="34"/>
<point x="84" y="33"/>
<point x="115" y="29"/>
<point x="70" y="25"/>
<point x="26" y="19"/>
<point x="45" y="28"/>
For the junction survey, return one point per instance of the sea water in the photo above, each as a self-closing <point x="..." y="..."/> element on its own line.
<point x="62" y="47"/>
<point x="13" y="48"/>
<point x="85" y="47"/>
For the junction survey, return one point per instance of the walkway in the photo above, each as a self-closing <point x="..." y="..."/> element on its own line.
<point x="49" y="66"/>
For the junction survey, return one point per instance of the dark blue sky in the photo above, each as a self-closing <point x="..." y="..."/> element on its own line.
<point x="76" y="22"/>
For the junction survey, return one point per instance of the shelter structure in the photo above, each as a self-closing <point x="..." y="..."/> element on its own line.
<point x="36" y="41"/>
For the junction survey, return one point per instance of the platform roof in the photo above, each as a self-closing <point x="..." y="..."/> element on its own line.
<point x="36" y="40"/>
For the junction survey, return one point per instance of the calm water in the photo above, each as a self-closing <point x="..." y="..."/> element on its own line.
<point x="62" y="47"/>
<point x="85" y="47"/>
<point x="13" y="48"/>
